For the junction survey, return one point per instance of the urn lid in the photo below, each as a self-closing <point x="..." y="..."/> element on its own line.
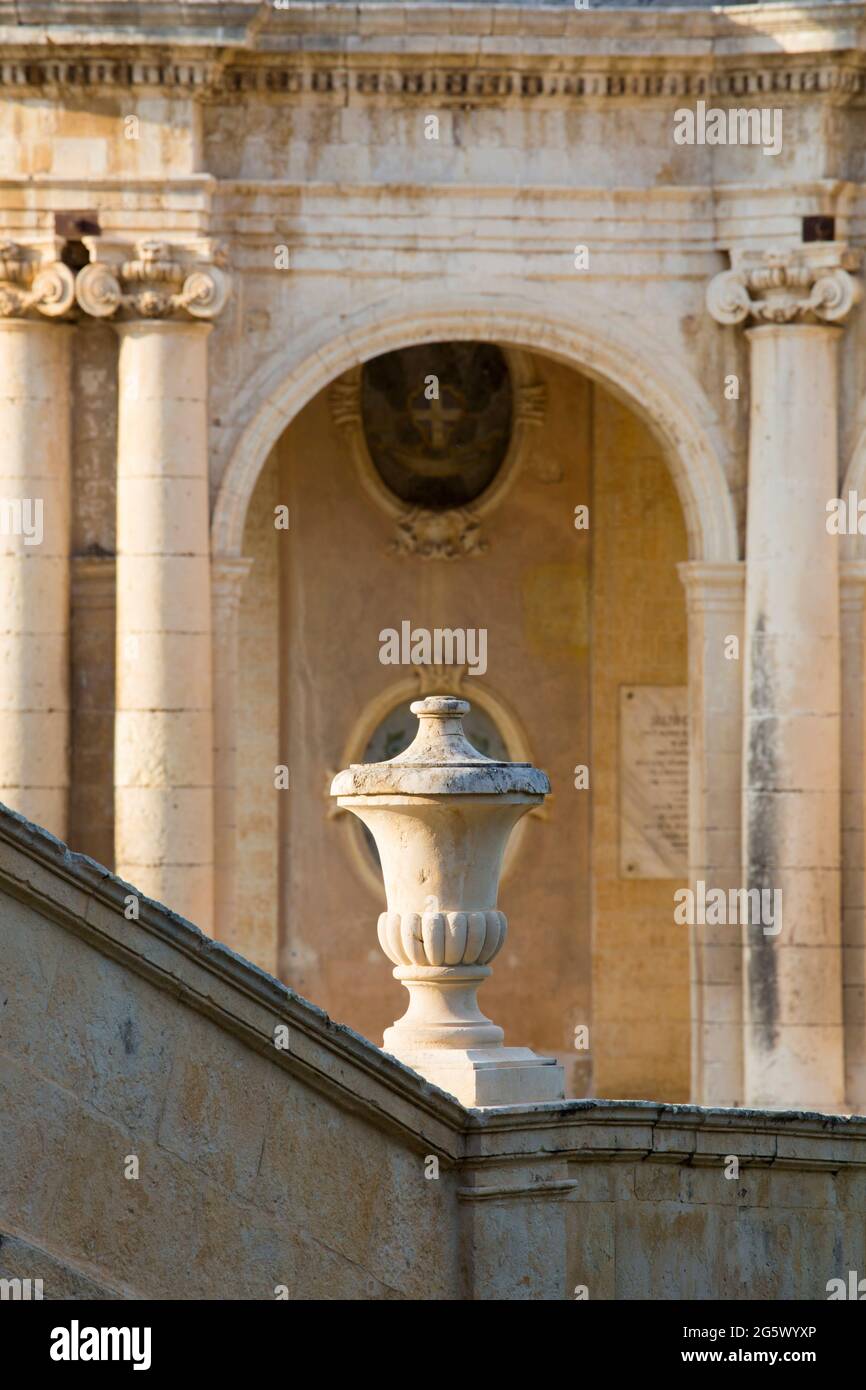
<point x="440" y="762"/>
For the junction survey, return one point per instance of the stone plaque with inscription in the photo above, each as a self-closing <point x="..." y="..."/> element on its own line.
<point x="653" y="781"/>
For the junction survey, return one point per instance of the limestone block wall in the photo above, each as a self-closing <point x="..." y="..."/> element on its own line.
<point x="142" y="138"/>
<point x="683" y="1222"/>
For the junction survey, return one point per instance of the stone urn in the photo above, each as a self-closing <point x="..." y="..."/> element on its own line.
<point x="441" y="814"/>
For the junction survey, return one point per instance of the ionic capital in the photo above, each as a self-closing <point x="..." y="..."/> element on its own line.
<point x="807" y="283"/>
<point x="153" y="280"/>
<point x="34" y="281"/>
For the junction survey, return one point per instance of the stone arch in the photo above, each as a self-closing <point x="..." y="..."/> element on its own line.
<point x="621" y="358"/>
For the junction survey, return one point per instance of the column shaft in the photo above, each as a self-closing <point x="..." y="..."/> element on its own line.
<point x="34" y="570"/>
<point x="164" y="720"/>
<point x="793" y="1042"/>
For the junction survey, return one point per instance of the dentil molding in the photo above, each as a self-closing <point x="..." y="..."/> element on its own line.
<point x="406" y="77"/>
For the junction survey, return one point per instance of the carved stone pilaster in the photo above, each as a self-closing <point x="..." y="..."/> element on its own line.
<point x="34" y="281"/>
<point x="153" y="280"/>
<point x="715" y="598"/>
<point x="228" y="574"/>
<point x="807" y="283"/>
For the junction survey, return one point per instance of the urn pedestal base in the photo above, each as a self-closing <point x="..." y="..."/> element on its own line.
<point x="482" y="1076"/>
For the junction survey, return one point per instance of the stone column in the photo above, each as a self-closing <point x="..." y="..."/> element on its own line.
<point x="227" y="581"/>
<point x="714" y="597"/>
<point x="793" y="1034"/>
<point x="163" y="752"/>
<point x="34" y="533"/>
<point x="853" y="599"/>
